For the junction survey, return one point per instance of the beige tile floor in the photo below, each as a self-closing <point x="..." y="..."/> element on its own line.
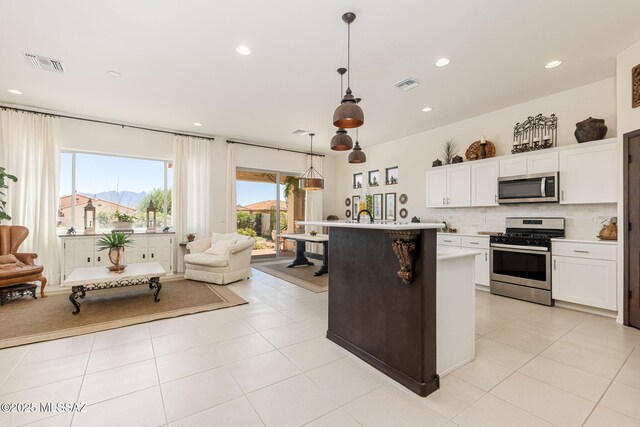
<point x="268" y="363"/>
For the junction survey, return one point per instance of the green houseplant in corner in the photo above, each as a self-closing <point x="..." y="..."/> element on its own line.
<point x="4" y="176"/>
<point x="115" y="242"/>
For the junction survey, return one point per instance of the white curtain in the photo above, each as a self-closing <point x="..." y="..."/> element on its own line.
<point x="313" y="205"/>
<point x="30" y="150"/>
<point x="192" y="193"/>
<point x="232" y="216"/>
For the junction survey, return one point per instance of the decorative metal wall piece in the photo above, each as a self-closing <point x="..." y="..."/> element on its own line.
<point x="535" y="133"/>
<point x="404" y="246"/>
<point x="635" y="86"/>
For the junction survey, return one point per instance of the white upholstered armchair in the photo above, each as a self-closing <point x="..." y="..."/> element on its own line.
<point x="220" y="259"/>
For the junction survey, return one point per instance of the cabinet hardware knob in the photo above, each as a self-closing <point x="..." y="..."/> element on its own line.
<point x="485" y="256"/>
<point x="555" y="263"/>
<point x="580" y="251"/>
<point x="88" y="259"/>
<point x="144" y="256"/>
<point x="474" y="243"/>
<point x="151" y="255"/>
<point x="449" y="241"/>
<point x="98" y="259"/>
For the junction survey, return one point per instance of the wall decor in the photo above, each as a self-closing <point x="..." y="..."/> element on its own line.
<point x="635" y="86"/>
<point x="535" y="133"/>
<point x="590" y="130"/>
<point x="448" y="150"/>
<point x="348" y="213"/>
<point x="390" y="206"/>
<point x="374" y="178"/>
<point x="377" y="206"/>
<point x="347" y="201"/>
<point x="357" y="180"/>
<point x="355" y="205"/>
<point x="403" y="199"/>
<point x="481" y="149"/>
<point x="391" y="175"/>
<point x="436" y="163"/>
<point x="415" y="219"/>
<point x="403" y="213"/>
<point x="457" y="159"/>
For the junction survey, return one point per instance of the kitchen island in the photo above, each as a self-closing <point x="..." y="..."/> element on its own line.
<point x="388" y="307"/>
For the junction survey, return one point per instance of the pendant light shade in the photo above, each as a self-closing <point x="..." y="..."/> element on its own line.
<point x="357" y="155"/>
<point x="311" y="180"/>
<point x="341" y="141"/>
<point x="348" y="115"/>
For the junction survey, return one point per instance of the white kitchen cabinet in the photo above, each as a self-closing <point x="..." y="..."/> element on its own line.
<point x="449" y="187"/>
<point x="513" y="166"/>
<point x="477" y="243"/>
<point x="588" y="175"/>
<point x="82" y="251"/>
<point x="584" y="273"/>
<point x="484" y="183"/>
<point x="530" y="164"/>
<point x="542" y="162"/>
<point x="436" y="188"/>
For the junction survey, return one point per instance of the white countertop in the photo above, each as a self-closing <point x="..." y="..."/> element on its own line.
<point x="376" y="226"/>
<point x="319" y="238"/>
<point x="446" y="253"/>
<point x="595" y="240"/>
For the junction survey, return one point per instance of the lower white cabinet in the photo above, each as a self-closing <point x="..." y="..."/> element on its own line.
<point x="587" y="276"/>
<point x="477" y="243"/>
<point x="82" y="251"/>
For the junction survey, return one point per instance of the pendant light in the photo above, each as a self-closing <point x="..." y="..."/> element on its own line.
<point x="311" y="180"/>
<point x="357" y="155"/>
<point x="348" y="115"/>
<point x="341" y="140"/>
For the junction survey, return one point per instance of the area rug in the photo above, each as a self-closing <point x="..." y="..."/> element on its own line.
<point x="301" y="276"/>
<point x="25" y="320"/>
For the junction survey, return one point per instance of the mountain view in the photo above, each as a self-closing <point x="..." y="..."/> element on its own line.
<point x="127" y="198"/>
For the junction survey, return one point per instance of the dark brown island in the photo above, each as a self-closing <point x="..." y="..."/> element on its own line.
<point x="382" y="297"/>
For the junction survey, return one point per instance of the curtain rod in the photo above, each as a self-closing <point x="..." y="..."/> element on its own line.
<point x="229" y="141"/>
<point x="104" y="122"/>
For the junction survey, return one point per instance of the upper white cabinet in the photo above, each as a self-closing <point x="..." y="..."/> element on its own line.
<point x="484" y="183"/>
<point x="588" y="175"/>
<point x="449" y="187"/>
<point x="529" y="164"/>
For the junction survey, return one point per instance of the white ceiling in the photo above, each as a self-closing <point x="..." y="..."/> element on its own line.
<point x="179" y="64"/>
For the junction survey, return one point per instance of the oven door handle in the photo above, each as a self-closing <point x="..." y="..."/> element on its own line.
<point x="520" y="248"/>
<point x="543" y="187"/>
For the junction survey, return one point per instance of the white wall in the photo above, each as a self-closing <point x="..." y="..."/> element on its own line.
<point x="414" y="154"/>
<point x="628" y="120"/>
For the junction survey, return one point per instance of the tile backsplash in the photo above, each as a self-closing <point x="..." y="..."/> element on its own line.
<point x="581" y="221"/>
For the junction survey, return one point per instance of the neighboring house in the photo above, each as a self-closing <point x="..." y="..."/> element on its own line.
<point x="64" y="209"/>
<point x="264" y="206"/>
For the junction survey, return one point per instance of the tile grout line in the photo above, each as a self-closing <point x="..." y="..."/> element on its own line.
<point x="155" y="363"/>
<point x="86" y="366"/>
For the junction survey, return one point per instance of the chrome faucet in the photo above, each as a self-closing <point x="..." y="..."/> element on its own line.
<point x="370" y="216"/>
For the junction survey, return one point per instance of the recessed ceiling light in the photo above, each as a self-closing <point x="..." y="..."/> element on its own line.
<point x="427" y="109"/>
<point x="442" y="62"/>
<point x="114" y="73"/>
<point x="553" y="64"/>
<point x="14" y="91"/>
<point x="197" y="124"/>
<point x="243" y="50"/>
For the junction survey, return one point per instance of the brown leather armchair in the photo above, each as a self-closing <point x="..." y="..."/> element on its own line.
<point x="11" y="237"/>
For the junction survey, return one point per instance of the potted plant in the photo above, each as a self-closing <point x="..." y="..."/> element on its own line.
<point x="3" y="185"/>
<point x="115" y="241"/>
<point x="123" y="221"/>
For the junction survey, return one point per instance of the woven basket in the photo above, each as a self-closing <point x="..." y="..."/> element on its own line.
<point x="474" y="150"/>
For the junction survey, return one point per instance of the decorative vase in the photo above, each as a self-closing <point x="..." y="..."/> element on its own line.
<point x="436" y="163"/>
<point x="191" y="237"/>
<point x="456" y="159"/>
<point x="115" y="256"/>
<point x="590" y="130"/>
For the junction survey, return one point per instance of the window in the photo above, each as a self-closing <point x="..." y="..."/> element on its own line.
<point x="114" y="184"/>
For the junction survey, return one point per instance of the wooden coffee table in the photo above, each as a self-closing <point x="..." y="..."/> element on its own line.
<point x="86" y="279"/>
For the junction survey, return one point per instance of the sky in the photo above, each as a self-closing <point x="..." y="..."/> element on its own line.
<point x="96" y="173"/>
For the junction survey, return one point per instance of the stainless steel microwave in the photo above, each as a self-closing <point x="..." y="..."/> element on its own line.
<point x="538" y="188"/>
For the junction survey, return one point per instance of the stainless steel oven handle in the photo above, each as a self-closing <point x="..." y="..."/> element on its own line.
<point x="543" y="186"/>
<point x="519" y="248"/>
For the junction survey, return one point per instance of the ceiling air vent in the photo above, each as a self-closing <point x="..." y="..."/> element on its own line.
<point x="408" y="83"/>
<point x="300" y="132"/>
<point x="44" y="63"/>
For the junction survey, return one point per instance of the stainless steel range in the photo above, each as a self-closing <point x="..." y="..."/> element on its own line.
<point x="521" y="258"/>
